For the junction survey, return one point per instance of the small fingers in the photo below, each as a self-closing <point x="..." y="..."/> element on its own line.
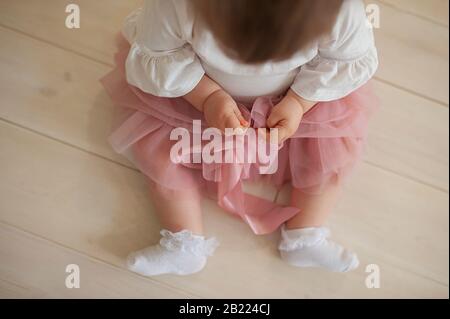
<point x="242" y="120"/>
<point x="231" y="121"/>
<point x="282" y="133"/>
<point x="273" y="119"/>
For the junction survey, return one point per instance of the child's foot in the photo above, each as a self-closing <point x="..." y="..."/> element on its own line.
<point x="180" y="253"/>
<point x="309" y="247"/>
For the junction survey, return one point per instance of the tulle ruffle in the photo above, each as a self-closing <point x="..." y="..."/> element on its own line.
<point x="309" y="237"/>
<point x="328" y="143"/>
<point x="186" y="241"/>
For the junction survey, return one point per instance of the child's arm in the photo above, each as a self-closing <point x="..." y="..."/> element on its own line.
<point x="205" y="88"/>
<point x="306" y="105"/>
<point x="219" y="108"/>
<point x="346" y="60"/>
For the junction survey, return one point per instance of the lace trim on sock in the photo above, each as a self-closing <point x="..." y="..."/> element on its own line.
<point x="311" y="237"/>
<point x="186" y="241"/>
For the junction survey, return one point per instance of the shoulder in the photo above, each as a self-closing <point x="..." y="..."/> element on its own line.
<point x="351" y="35"/>
<point x="351" y="18"/>
<point x="175" y="16"/>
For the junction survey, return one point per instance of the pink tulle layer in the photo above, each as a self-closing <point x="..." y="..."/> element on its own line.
<point x="328" y="143"/>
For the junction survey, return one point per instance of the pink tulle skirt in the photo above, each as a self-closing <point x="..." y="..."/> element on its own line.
<point x="328" y="143"/>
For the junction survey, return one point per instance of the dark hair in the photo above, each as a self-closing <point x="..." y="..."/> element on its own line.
<point x="255" y="31"/>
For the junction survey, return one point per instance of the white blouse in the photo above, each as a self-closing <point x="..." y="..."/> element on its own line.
<point x="170" y="54"/>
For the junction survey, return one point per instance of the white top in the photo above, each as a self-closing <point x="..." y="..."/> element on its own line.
<point x="170" y="53"/>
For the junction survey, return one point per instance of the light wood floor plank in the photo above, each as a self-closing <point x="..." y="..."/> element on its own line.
<point x="60" y="96"/>
<point x="100" y="22"/>
<point x="64" y="195"/>
<point x="434" y="10"/>
<point x="35" y="268"/>
<point x="413" y="51"/>
<point x="410" y="136"/>
<point x="101" y="209"/>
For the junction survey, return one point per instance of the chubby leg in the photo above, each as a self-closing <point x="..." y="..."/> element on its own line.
<point x="305" y="242"/>
<point x="177" y="211"/>
<point x="314" y="209"/>
<point x="182" y="249"/>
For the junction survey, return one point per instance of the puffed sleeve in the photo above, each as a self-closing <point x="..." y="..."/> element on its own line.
<point x="161" y="61"/>
<point x="346" y="59"/>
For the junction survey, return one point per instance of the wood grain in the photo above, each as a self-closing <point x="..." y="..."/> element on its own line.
<point x="66" y="197"/>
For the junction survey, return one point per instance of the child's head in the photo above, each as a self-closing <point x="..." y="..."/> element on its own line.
<point x="254" y="31"/>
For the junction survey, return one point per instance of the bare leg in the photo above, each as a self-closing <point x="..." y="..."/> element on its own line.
<point x="314" y="209"/>
<point x="177" y="211"/>
<point x="305" y="241"/>
<point x="182" y="250"/>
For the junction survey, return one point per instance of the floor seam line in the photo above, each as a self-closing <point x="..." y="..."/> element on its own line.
<point x="56" y="45"/>
<point x="417" y="15"/>
<point x="417" y="94"/>
<point x="93" y="258"/>
<point x="99" y="156"/>
<point x="93" y="59"/>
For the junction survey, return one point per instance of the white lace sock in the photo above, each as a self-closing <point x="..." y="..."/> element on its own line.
<point x="309" y="247"/>
<point x="180" y="253"/>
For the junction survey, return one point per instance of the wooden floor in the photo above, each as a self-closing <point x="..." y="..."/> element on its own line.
<point x="66" y="198"/>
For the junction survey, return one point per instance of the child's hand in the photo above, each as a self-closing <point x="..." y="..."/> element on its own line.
<point x="221" y="112"/>
<point x="286" y="116"/>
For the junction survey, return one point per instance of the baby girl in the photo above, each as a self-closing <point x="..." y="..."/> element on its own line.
<point x="298" y="66"/>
